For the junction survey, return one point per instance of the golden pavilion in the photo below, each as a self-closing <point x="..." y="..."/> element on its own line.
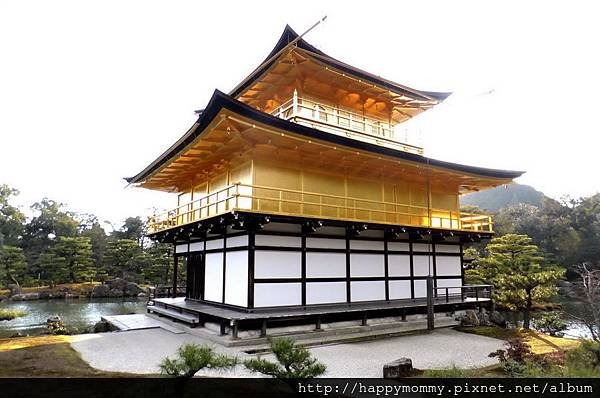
<point x="297" y="197"/>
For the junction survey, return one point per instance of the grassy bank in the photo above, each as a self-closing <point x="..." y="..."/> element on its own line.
<point x="46" y="356"/>
<point x="539" y="343"/>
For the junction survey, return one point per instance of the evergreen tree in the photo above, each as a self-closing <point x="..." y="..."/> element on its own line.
<point x="51" y="267"/>
<point x="11" y="218"/>
<point x="77" y="255"/>
<point x="122" y="257"/>
<point x="520" y="277"/>
<point x="12" y="264"/>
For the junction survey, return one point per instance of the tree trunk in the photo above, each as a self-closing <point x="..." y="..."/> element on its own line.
<point x="527" y="311"/>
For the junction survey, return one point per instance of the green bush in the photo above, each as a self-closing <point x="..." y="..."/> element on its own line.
<point x="57" y="327"/>
<point x="551" y="323"/>
<point x="583" y="361"/>
<point x="293" y="362"/>
<point x="193" y="357"/>
<point x="8" y="314"/>
<point x="450" y="373"/>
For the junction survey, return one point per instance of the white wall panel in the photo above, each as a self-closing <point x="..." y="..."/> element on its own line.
<point x="277" y="294"/>
<point x="236" y="241"/>
<point x="324" y="243"/>
<point x="399" y="246"/>
<point x="420" y="288"/>
<point x="447" y="265"/>
<point x="367" y="265"/>
<point x="277" y="264"/>
<point x="236" y="278"/>
<point x="366" y="245"/>
<point x="213" y="282"/>
<point x="399" y="264"/>
<point x="367" y="290"/>
<point x="421" y="265"/>
<point x="448" y="283"/>
<point x="399" y="289"/>
<point x="325" y="292"/>
<point x="278" y="241"/>
<point x="421" y="247"/>
<point x="447" y="248"/>
<point x="196" y="246"/>
<point x="325" y="265"/>
<point x="181" y="248"/>
<point x="214" y="244"/>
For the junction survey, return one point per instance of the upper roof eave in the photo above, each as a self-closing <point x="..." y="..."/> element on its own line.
<point x="220" y="100"/>
<point x="289" y="35"/>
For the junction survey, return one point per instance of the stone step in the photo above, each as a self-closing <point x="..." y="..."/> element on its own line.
<point x="344" y="335"/>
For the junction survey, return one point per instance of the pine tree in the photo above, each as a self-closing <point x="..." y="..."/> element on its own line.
<point x="12" y="264"/>
<point x="517" y="270"/>
<point x="77" y="255"/>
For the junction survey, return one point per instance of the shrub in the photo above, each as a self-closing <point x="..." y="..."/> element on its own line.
<point x="293" y="362"/>
<point x="584" y="361"/>
<point x="8" y="314"/>
<point x="57" y="327"/>
<point x="193" y="357"/>
<point x="450" y="373"/>
<point x="551" y="323"/>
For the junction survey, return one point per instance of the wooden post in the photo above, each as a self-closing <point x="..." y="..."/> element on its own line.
<point x="430" y="321"/>
<point x="234" y="329"/>
<point x="175" y="276"/>
<point x="364" y="319"/>
<point x="263" y="328"/>
<point x="318" y="323"/>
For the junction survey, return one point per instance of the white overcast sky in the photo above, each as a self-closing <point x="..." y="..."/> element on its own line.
<point x="93" y="91"/>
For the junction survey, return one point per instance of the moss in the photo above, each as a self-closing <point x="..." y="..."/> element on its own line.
<point x="8" y="314"/>
<point x="490" y="331"/>
<point x="46" y="356"/>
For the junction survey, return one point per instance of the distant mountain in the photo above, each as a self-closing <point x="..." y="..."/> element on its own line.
<point x="496" y="198"/>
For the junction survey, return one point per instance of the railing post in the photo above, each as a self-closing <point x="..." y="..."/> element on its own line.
<point x="476" y="293"/>
<point x="447" y="296"/>
<point x="295" y="103"/>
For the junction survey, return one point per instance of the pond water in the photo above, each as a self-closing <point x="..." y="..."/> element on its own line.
<point x="75" y="313"/>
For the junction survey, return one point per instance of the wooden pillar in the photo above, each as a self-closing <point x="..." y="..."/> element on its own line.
<point x="263" y="328"/>
<point x="175" y="265"/>
<point x="430" y="321"/>
<point x="234" y="329"/>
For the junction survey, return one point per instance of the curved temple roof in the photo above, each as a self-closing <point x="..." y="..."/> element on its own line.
<point x="221" y="101"/>
<point x="289" y="35"/>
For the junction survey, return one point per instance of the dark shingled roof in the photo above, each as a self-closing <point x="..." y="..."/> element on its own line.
<point x="289" y="35"/>
<point x="221" y="100"/>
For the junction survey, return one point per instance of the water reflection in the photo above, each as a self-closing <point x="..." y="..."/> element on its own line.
<point x="75" y="313"/>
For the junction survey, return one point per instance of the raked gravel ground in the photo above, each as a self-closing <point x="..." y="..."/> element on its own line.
<point x="141" y="351"/>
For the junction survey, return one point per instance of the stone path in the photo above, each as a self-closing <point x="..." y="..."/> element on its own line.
<point x="140" y="351"/>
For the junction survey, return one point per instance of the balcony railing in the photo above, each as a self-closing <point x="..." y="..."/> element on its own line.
<point x="262" y="199"/>
<point x="342" y="121"/>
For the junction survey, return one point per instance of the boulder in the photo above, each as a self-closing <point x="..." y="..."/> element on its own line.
<point x="14" y="289"/>
<point x="53" y="318"/>
<point x="117" y="284"/>
<point x="115" y="293"/>
<point x="101" y="327"/>
<point x="142" y="295"/>
<point x="470" y="318"/>
<point x="25" y="297"/>
<point x="45" y="294"/>
<point x="132" y="290"/>
<point x="100" y="291"/>
<point x="2" y="298"/>
<point x="398" y="369"/>
<point x="497" y="319"/>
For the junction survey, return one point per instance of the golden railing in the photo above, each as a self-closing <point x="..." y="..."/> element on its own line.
<point x="269" y="200"/>
<point x="342" y="121"/>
